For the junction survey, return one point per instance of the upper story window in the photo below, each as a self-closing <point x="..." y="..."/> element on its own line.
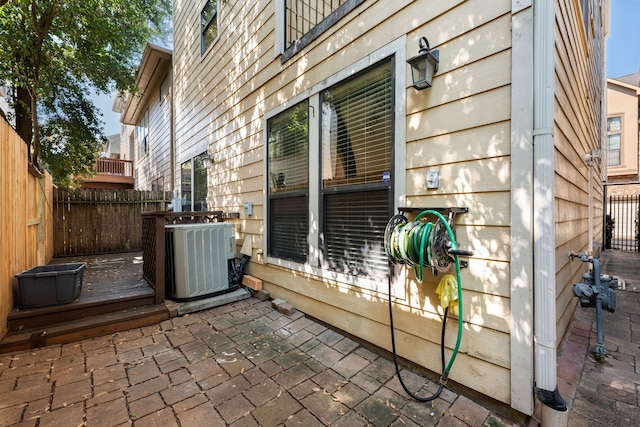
<point x="142" y="135"/>
<point x="164" y="88"/>
<point x="208" y="25"/>
<point x="305" y="20"/>
<point x="614" y="140"/>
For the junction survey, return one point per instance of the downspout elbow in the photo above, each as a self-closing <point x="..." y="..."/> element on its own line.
<point x="552" y="399"/>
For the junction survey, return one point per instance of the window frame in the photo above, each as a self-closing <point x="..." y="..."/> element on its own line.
<point x="358" y="189"/>
<point x="276" y="197"/>
<point x="158" y="184"/>
<point x="192" y="188"/>
<point x="142" y="135"/>
<point x="396" y="48"/>
<point x="215" y="19"/>
<point x="614" y="132"/>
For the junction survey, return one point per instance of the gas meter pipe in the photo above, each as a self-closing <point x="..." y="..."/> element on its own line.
<point x="417" y="243"/>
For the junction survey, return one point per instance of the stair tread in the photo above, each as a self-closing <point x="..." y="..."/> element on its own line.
<point x="89" y="322"/>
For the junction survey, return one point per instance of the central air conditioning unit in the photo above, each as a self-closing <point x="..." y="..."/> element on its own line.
<point x="198" y="258"/>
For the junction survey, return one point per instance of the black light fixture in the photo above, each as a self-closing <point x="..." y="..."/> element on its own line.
<point x="424" y="65"/>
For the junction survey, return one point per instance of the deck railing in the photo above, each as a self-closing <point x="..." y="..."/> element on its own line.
<point x="106" y="166"/>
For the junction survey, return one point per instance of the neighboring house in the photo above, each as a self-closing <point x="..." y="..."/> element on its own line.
<point x="622" y="152"/>
<point x="111" y="171"/>
<point x="311" y="118"/>
<point x="146" y="117"/>
<point x="111" y="147"/>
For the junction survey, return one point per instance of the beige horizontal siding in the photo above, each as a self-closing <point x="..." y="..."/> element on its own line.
<point x="579" y="82"/>
<point x="460" y="127"/>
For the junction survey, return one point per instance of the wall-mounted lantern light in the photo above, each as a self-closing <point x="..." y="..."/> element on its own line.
<point x="424" y="65"/>
<point x="208" y="160"/>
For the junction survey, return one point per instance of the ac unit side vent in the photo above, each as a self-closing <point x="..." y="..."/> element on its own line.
<point x="201" y="259"/>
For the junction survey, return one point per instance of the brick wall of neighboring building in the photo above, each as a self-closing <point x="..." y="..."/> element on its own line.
<point x="626" y="189"/>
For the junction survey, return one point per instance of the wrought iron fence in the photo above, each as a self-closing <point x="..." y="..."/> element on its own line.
<point x="622" y="223"/>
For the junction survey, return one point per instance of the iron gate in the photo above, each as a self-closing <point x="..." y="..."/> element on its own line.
<point x="622" y="223"/>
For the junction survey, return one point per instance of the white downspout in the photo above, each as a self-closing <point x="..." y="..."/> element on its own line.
<point x="590" y="161"/>
<point x="544" y="214"/>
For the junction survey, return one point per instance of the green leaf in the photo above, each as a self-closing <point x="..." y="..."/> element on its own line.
<point x="61" y="51"/>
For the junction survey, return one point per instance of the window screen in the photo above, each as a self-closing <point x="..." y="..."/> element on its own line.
<point x="356" y="168"/>
<point x="288" y="169"/>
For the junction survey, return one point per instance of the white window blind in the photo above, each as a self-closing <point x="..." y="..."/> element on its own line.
<point x="288" y="169"/>
<point x="357" y="158"/>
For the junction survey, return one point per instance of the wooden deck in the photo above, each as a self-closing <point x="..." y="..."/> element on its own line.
<point x="114" y="297"/>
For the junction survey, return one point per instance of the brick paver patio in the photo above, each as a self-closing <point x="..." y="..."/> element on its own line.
<point x="244" y="364"/>
<point x="247" y="364"/>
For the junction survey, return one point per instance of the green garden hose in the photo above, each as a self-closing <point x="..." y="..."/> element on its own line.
<point x="409" y="244"/>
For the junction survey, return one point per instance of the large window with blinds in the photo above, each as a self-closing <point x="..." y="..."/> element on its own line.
<point x="353" y="136"/>
<point x="288" y="195"/>
<point x="357" y="160"/>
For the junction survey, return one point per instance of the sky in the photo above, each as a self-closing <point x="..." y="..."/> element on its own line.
<point x="111" y="119"/>
<point x="623" y="46"/>
<point x="623" y="54"/>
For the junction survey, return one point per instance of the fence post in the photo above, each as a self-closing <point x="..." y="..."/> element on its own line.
<point x="41" y="225"/>
<point x="160" y="258"/>
<point x="637" y="223"/>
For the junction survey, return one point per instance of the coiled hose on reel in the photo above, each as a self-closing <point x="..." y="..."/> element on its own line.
<point x="425" y="244"/>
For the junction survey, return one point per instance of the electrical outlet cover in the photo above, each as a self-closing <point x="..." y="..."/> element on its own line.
<point x="433" y="179"/>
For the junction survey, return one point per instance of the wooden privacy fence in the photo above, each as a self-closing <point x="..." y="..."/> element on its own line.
<point x="25" y="220"/>
<point x="97" y="221"/>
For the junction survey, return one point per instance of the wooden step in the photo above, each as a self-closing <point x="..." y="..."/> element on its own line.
<point x="87" y="327"/>
<point x="28" y="319"/>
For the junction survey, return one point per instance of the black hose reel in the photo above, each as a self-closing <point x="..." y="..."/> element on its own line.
<point x="421" y="243"/>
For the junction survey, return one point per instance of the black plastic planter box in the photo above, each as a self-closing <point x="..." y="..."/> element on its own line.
<point x="47" y="285"/>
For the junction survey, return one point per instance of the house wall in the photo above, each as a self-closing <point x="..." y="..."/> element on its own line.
<point x="622" y="100"/>
<point x="461" y="127"/>
<point x="578" y="130"/>
<point x="127" y="150"/>
<point x="156" y="163"/>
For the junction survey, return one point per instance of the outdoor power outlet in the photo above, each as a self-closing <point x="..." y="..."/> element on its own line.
<point x="248" y="208"/>
<point x="433" y="180"/>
